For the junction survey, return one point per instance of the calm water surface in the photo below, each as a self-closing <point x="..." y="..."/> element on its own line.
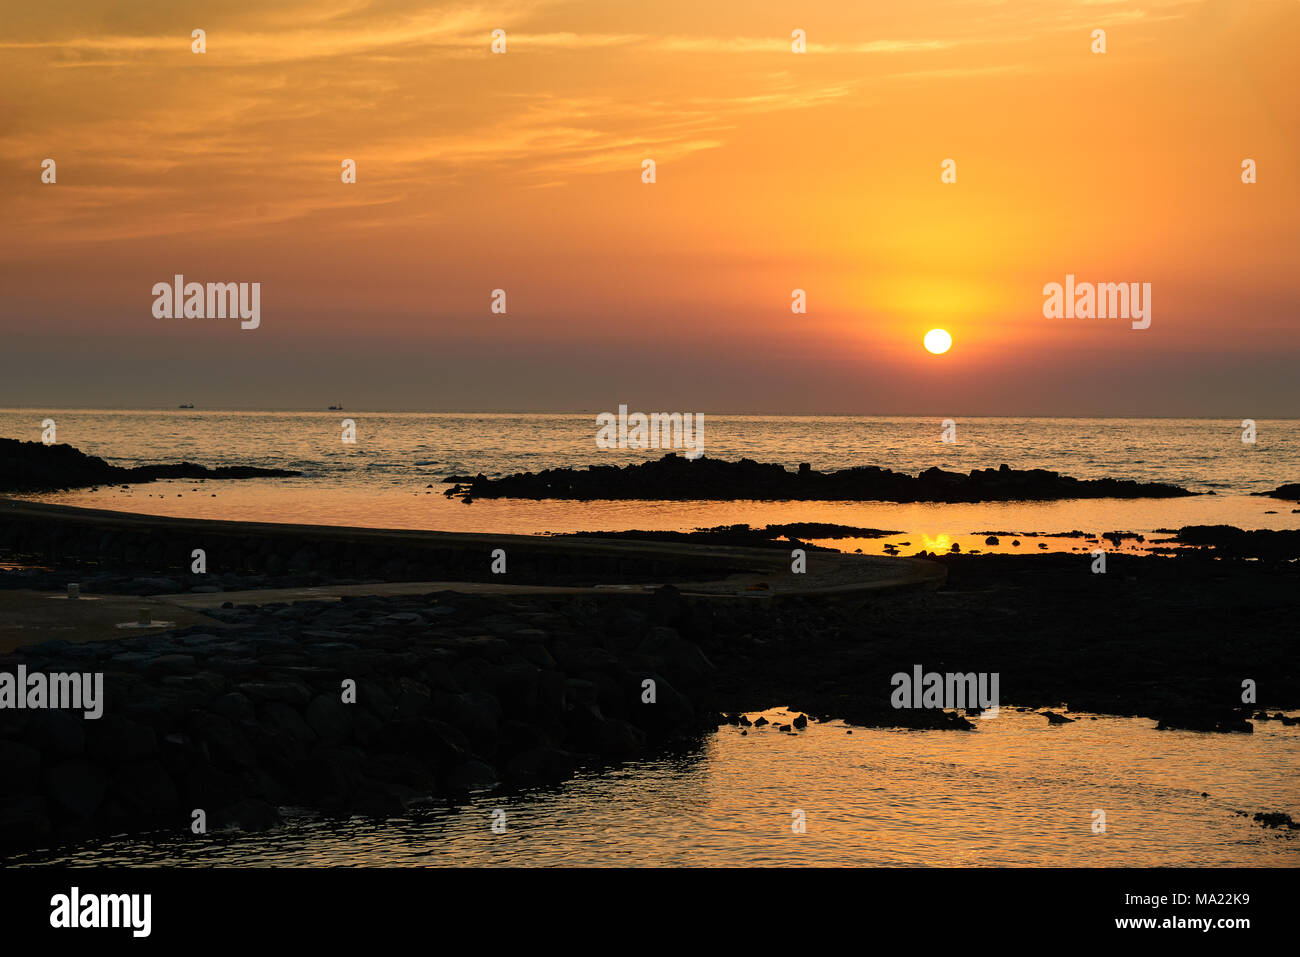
<point x="392" y="477"/>
<point x="1017" y="791"/>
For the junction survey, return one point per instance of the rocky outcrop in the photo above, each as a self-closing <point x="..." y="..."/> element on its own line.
<point x="35" y="467"/>
<point x="1290" y="492"/>
<point x="674" y="478"/>
<point x="1230" y="541"/>
<point x="364" y="705"/>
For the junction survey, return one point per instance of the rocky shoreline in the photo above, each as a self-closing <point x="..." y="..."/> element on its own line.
<point x="365" y="706"/>
<point x="457" y="692"/>
<point x="27" y="467"/>
<point x="675" y="478"/>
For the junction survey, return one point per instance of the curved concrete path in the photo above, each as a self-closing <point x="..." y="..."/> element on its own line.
<point x="27" y="617"/>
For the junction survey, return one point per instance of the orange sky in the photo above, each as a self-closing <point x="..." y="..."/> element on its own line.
<point x="775" y="171"/>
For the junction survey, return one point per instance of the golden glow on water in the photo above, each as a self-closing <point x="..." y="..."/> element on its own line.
<point x="927" y="526"/>
<point x="1016" y="791"/>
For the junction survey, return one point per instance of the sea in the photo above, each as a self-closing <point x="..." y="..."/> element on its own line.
<point x="1101" y="791"/>
<point x="393" y="475"/>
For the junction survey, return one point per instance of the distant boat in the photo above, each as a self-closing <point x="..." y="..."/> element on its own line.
<point x="336" y="408"/>
<point x="186" y="406"/>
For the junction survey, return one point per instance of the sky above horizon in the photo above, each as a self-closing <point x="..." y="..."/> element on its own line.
<point x="775" y="171"/>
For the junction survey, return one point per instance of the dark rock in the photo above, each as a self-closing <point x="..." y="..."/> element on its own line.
<point x="248" y="815"/>
<point x="233" y="706"/>
<point x="20" y="767"/>
<point x="24" y="818"/>
<point x="1278" y="819"/>
<point x="541" y="765"/>
<point x="279" y="716"/>
<point x="469" y="777"/>
<point x="76" y="787"/>
<point x="226" y="744"/>
<point x="56" y="733"/>
<point x="676" y="478"/>
<point x="330" y="718"/>
<point x="114" y="739"/>
<point x="145" y="788"/>
<point x="36" y="467"/>
<point x="293" y="693"/>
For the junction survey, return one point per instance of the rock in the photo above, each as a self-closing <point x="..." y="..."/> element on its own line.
<point x="1054" y="718"/>
<point x="208" y="787"/>
<point x="113" y="740"/>
<point x="144" y="787"/>
<point x="801" y="722"/>
<point x="24" y="818"/>
<point x="383" y="799"/>
<point x="674" y="478"/>
<point x="36" y="467"/>
<point x="1223" y="722"/>
<point x="618" y="739"/>
<point x="437" y="742"/>
<point x="330" y="775"/>
<point x="541" y="765"/>
<point x="247" y="815"/>
<point x="21" y="766"/>
<point x="1290" y="491"/>
<point x="470" y="777"/>
<point x="76" y="787"/>
<point x="293" y="693"/>
<point x="234" y="706"/>
<point x="1276" y="819"/>
<point x="224" y="743"/>
<point x="277" y="715"/>
<point x="56" y="733"/>
<point x="666" y="605"/>
<point x="330" y="718"/>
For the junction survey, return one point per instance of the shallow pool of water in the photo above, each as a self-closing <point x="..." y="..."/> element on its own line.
<point x="1017" y="791"/>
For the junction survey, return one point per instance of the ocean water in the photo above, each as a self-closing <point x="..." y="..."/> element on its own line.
<point x="1015" y="792"/>
<point x="392" y="476"/>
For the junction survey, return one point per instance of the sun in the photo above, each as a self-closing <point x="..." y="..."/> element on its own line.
<point x="938" y="341"/>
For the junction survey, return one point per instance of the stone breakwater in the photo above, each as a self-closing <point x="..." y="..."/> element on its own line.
<point x="455" y="691"/>
<point x="36" y="467"/>
<point x="452" y="693"/>
<point x="104" y="546"/>
<point x="675" y="478"/>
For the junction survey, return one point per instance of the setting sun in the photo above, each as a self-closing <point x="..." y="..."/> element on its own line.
<point x="938" y="341"/>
